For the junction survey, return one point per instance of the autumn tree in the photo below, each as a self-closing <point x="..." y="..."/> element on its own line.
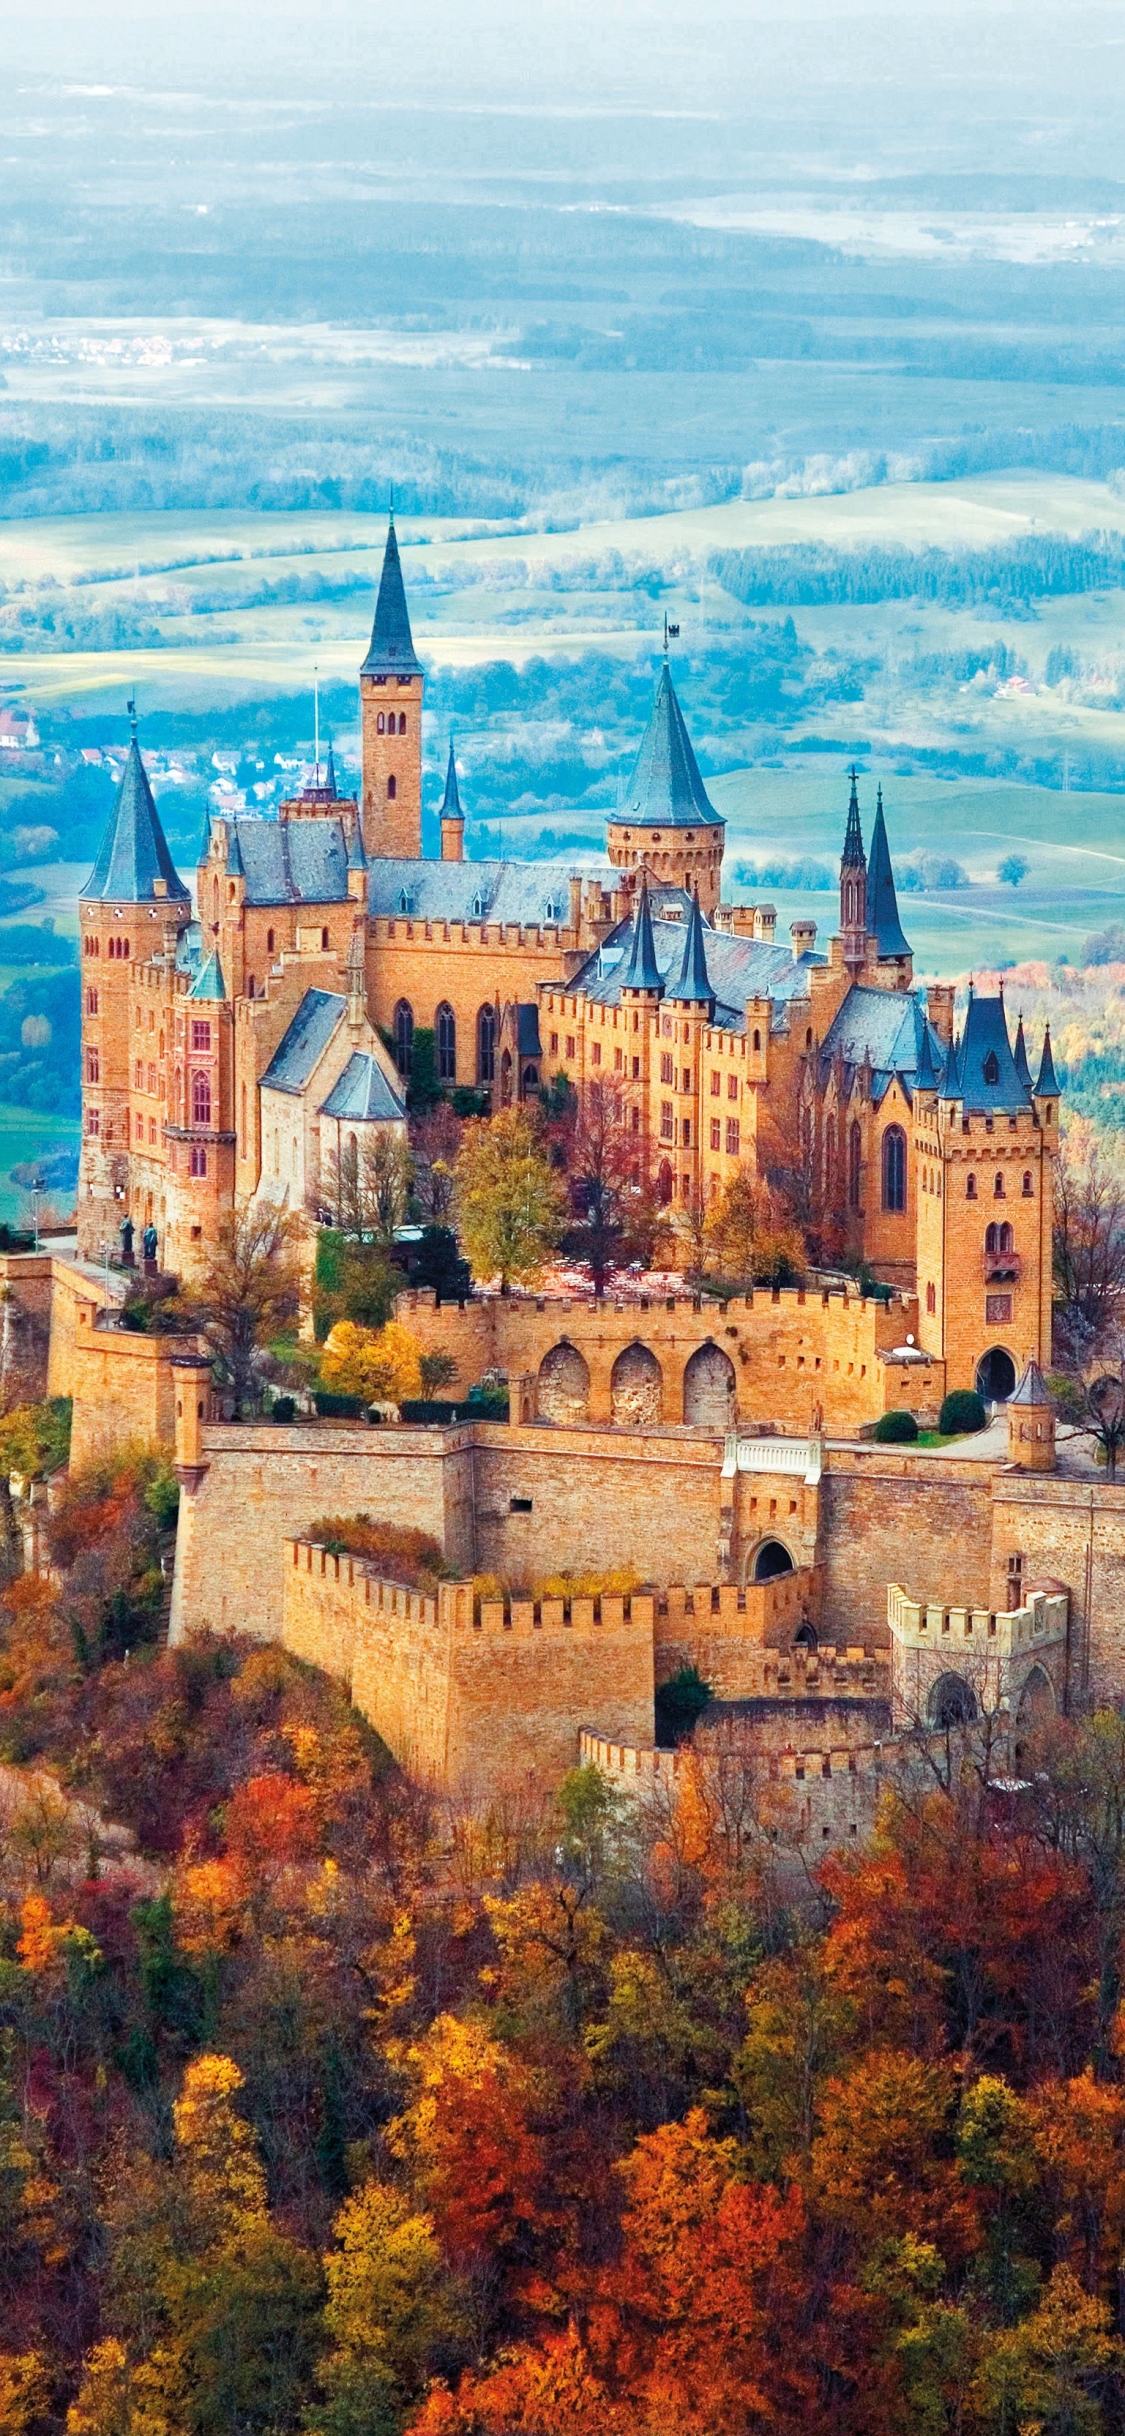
<point x="435" y="1140"/>
<point x="248" y="1289"/>
<point x="747" y="1238"/>
<point x="604" y="1162"/>
<point x="383" y="1365"/>
<point x="511" y="1203"/>
<point x="1089" y="1239"/>
<point x="367" y="1186"/>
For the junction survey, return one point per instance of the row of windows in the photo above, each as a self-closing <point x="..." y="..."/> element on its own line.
<point x="999" y="1187"/>
<point x="733" y="1136"/>
<point x="115" y="947"/>
<point x="445" y="1041"/>
<point x="385" y="723"/>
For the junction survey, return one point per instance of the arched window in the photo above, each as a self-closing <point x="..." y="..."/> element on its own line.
<point x="998" y="1185"/>
<point x="392" y="788"/>
<point x="757" y="1040"/>
<point x="200" y="1100"/>
<point x="197" y="1162"/>
<point x="1028" y="1188"/>
<point x="445" y="1026"/>
<point x="970" y="1188"/>
<point x="324" y="940"/>
<point x="269" y="943"/>
<point x="486" y="1045"/>
<point x="381" y="723"/>
<point x="992" y="1067"/>
<point x="250" y="985"/>
<point x="402" y="723"/>
<point x="855" y="1165"/>
<point x="931" y="1299"/>
<point x="894" y="1168"/>
<point x="404" y="1035"/>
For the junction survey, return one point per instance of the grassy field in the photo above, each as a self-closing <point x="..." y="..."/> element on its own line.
<point x="25" y="1136"/>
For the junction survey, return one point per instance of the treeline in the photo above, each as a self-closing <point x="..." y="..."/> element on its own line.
<point x="1032" y="567"/>
<point x="330" y="2109"/>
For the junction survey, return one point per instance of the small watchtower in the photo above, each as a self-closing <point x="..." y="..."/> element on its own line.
<point x="1031" y="1423"/>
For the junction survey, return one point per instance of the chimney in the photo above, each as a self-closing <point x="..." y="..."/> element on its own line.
<point x="453" y="838"/>
<point x="803" y="936"/>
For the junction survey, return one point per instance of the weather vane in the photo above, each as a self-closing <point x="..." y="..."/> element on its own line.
<point x="671" y="634"/>
<point x="131" y="707"/>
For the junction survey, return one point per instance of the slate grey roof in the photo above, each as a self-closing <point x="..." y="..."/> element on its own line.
<point x="737" y="969"/>
<point x="527" y="1030"/>
<point x="208" y="982"/>
<point x="451" y="800"/>
<point x="363" y="1095"/>
<point x="984" y="1076"/>
<point x="474" y="892"/>
<point x="292" y="862"/>
<point x="1032" y="1388"/>
<point x="640" y="970"/>
<point x="1047" y="1088"/>
<point x="134" y="851"/>
<point x="882" y="903"/>
<point x="300" y="1049"/>
<point x="884" y="1029"/>
<point x="692" y="985"/>
<point x="391" y="652"/>
<point x="666" y="790"/>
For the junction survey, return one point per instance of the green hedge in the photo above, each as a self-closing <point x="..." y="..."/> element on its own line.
<point x="961" y="1412"/>
<point x="895" y="1429"/>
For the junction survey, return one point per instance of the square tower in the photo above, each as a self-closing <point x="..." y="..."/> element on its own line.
<point x="391" y="683"/>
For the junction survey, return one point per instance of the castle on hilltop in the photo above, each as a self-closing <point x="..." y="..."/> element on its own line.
<point x="237" y="1051"/>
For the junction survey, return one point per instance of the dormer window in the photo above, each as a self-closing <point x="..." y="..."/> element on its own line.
<point x="992" y="1067"/>
<point x="405" y="905"/>
<point x="551" y="911"/>
<point x="478" y="907"/>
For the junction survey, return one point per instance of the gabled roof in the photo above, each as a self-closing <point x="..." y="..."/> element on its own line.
<point x="391" y="652"/>
<point x="292" y="862"/>
<point x="692" y="984"/>
<point x="476" y="892"/>
<point x="987" y="1079"/>
<point x="300" y="1049"/>
<point x="134" y="854"/>
<point x="882" y="903"/>
<point x="364" y="1094"/>
<point x="886" y="1030"/>
<point x="451" y="800"/>
<point x="209" y="980"/>
<point x="666" y="790"/>
<point x="640" y="970"/>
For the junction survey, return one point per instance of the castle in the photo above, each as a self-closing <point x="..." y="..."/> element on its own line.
<point x="836" y="1592"/>
<point x="240" y="1052"/>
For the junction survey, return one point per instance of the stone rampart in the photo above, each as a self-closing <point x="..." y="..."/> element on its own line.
<point x="795" y="1359"/>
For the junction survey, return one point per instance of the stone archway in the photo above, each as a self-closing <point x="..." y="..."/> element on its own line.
<point x="952" y="1702"/>
<point x="709" y="1389"/>
<point x="637" y="1388"/>
<point x="1037" y="1699"/>
<point x="996" y="1375"/>
<point x="563" y="1392"/>
<point x="771" y="1560"/>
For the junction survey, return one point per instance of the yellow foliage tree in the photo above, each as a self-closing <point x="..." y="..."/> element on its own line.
<point x="223" y="2177"/>
<point x="385" y="2307"/>
<point x="745" y="1237"/>
<point x="511" y="1204"/>
<point x="25" y="2391"/>
<point x="381" y="1364"/>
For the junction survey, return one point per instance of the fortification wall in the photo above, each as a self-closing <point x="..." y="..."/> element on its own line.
<point x="724" y="1633"/>
<point x="259" y="1484"/>
<point x="76" y="1294"/>
<point x="591" y="1500"/>
<point x="122" y="1388"/>
<point x="805" y="1800"/>
<point x="883" y="1512"/>
<point x="801" y="1359"/>
<point x="470" y="1694"/>
<point x="1073" y="1532"/>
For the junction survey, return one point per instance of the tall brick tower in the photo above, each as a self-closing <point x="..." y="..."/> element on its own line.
<point x="853" y="889"/>
<point x="133" y="902"/>
<point x="390" y="700"/>
<point x="985" y="1143"/>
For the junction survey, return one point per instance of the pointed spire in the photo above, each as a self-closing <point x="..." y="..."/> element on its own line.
<point x="926" y="1077"/>
<point x="666" y="790"/>
<point x="1047" y="1088"/>
<point x="133" y="854"/>
<point x="330" y="786"/>
<point x="236" y="868"/>
<point x="451" y="800"/>
<point x="209" y="980"/>
<point x="950" y="1086"/>
<point x="693" y="984"/>
<point x="357" y="859"/>
<point x="853" y="858"/>
<point x="640" y="970"/>
<point x="392" y="652"/>
<point x="882" y="903"/>
<point x="1020" y="1054"/>
<point x="1032" y="1389"/>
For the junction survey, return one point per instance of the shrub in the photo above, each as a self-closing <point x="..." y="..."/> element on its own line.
<point x="961" y="1412"/>
<point x="895" y="1429"/>
<point x="679" y="1704"/>
<point x="399" y="1553"/>
<point x="333" y="1407"/>
<point x="283" y="1408"/>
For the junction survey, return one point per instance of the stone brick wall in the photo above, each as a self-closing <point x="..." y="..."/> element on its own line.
<point x="595" y="1500"/>
<point x="1073" y="1532"/>
<point x="123" y="1391"/>
<point x="883" y="1512"/>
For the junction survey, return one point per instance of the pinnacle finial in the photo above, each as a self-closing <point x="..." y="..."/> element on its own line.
<point x="131" y="707"/>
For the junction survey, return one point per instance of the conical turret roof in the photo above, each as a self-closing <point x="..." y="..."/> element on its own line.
<point x="988" y="1076"/>
<point x="330" y="786"/>
<point x="692" y="984"/>
<point x="392" y="652"/>
<point x="134" y="854"/>
<point x="926" y="1077"/>
<point x="1020" y="1054"/>
<point x="1047" y="1088"/>
<point x="640" y="970"/>
<point x="666" y="790"/>
<point x="451" y="800"/>
<point x="1032" y="1388"/>
<point x="882" y="903"/>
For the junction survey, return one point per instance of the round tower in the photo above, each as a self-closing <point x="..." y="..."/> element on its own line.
<point x="667" y="821"/>
<point x="1031" y="1423"/>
